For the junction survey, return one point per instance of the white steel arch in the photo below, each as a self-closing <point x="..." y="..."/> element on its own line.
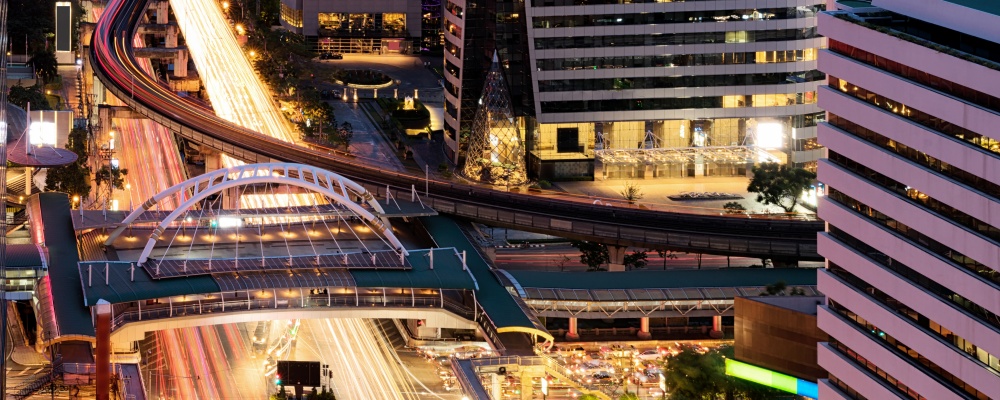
<point x="304" y="176"/>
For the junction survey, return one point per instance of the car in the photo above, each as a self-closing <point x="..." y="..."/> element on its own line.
<point x="650" y="355"/>
<point x="336" y="56"/>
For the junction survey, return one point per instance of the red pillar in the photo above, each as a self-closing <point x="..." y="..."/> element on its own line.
<point x="572" y="334"/>
<point x="103" y="356"/>
<point x="716" y="327"/>
<point x="644" y="329"/>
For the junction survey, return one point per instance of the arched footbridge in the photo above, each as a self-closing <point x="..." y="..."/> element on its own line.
<point x="115" y="66"/>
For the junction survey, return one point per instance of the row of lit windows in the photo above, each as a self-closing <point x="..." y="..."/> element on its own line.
<point x="675" y="60"/>
<point x="736" y="101"/>
<point x="844" y="388"/>
<point x="958" y="342"/>
<point x="926" y="324"/>
<point x="917" y="116"/>
<point x="916" y="238"/>
<point x="667" y="82"/>
<point x="863" y="362"/>
<point x="291" y="16"/>
<point x="454" y="9"/>
<point x="666" y="39"/>
<point x="646" y="18"/>
<point x="918" y="279"/>
<point x="918" y="75"/>
<point x="917" y="197"/>
<point x="904" y="351"/>
<point x="362" y="23"/>
<point x="974" y="181"/>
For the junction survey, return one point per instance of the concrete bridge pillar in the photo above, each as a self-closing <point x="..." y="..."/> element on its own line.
<point x="716" y="332"/>
<point x="573" y="333"/>
<point x="181" y="64"/>
<point x="616" y="258"/>
<point x="171" y="39"/>
<point x="526" y="392"/>
<point x="644" y="329"/>
<point x="162" y="13"/>
<point x="102" y="356"/>
<point x="213" y="159"/>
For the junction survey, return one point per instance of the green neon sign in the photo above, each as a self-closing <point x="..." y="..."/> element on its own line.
<point x="770" y="378"/>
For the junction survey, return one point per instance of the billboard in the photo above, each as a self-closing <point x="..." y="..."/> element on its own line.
<point x="299" y="373"/>
<point x="64" y="26"/>
<point x="771" y="379"/>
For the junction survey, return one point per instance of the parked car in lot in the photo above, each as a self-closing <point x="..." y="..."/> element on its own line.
<point x="650" y="355"/>
<point x="331" y="56"/>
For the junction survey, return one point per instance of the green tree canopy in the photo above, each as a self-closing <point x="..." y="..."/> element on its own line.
<point x="635" y="260"/>
<point x="22" y="95"/>
<point x="691" y="375"/>
<point x="46" y="65"/>
<point x="780" y="185"/>
<point x="592" y="254"/>
<point x="74" y="178"/>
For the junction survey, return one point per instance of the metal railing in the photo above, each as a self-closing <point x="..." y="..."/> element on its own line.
<point x="200" y="307"/>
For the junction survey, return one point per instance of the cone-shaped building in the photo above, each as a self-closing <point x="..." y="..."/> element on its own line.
<point x="496" y="154"/>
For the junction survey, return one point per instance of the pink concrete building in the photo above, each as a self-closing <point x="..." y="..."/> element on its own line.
<point x="913" y="203"/>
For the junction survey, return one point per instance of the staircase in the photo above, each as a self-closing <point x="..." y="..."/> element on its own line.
<point x="391" y="332"/>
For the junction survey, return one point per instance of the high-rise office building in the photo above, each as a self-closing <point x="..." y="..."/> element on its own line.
<point x="913" y="178"/>
<point x="587" y="75"/>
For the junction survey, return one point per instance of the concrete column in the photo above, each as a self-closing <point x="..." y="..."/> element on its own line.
<point x="526" y="389"/>
<point x="716" y="332"/>
<point x="161" y="12"/>
<point x="103" y="351"/>
<point x="213" y="159"/>
<point x="573" y="333"/>
<point x="28" y="182"/>
<point x="616" y="256"/>
<point x="644" y="329"/>
<point x="171" y="41"/>
<point x="181" y="64"/>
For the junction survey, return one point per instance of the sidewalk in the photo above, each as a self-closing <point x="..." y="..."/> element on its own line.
<point x="28" y="357"/>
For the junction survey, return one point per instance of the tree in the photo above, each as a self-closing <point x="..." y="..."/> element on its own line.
<point x="779" y="185"/>
<point x="631" y="192"/>
<point x="22" y="95"/>
<point x="588" y="396"/>
<point x="111" y="175"/>
<point x="636" y="260"/>
<point x="592" y="254"/>
<point x="691" y="375"/>
<point x="346" y="133"/>
<point x="665" y="254"/>
<point x="45" y="64"/>
<point x="74" y="178"/>
<point x="628" y="396"/>
<point x="733" y="207"/>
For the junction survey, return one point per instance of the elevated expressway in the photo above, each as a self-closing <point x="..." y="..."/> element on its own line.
<point x="115" y="66"/>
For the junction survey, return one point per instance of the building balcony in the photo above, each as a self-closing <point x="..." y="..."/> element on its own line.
<point x="890" y="360"/>
<point x="936" y="349"/>
<point x="940" y="187"/>
<point x="943" y="147"/>
<point x="917" y="298"/>
<point x="938" y="269"/>
<point x="941" y="61"/>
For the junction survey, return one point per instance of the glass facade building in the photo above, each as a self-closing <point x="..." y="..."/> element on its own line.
<point x="913" y="179"/>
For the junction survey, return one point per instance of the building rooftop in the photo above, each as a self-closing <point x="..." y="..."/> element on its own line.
<point x="987" y="6"/>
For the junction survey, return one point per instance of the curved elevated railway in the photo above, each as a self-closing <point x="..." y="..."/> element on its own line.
<point x="115" y="66"/>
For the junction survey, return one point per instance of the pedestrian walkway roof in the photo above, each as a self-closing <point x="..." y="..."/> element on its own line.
<point x="705" y="284"/>
<point x="62" y="316"/>
<point x="507" y="313"/>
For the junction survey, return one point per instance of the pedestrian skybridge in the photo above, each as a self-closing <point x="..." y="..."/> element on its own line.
<point x="217" y="258"/>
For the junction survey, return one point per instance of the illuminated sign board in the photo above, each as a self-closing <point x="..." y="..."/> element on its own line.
<point x="771" y="379"/>
<point x="64" y="26"/>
